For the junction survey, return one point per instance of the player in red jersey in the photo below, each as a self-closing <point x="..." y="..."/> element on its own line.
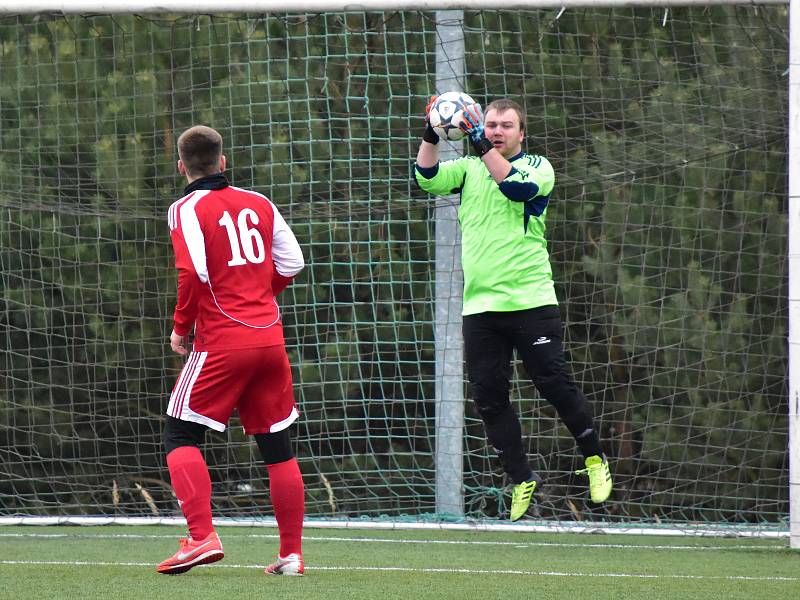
<point x="234" y="254"/>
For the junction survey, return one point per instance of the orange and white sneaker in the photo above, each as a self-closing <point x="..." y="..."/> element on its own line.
<point x="287" y="565"/>
<point x="193" y="553"/>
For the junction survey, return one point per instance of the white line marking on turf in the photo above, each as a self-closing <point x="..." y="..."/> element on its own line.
<point x="80" y="563"/>
<point x="526" y="526"/>
<point x="401" y="541"/>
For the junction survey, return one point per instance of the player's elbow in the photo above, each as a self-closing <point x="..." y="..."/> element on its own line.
<point x="291" y="266"/>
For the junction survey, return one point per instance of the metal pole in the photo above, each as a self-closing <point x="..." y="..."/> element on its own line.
<point x="449" y="286"/>
<point x="794" y="274"/>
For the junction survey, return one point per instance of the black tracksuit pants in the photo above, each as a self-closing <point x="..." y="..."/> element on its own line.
<point x="536" y="334"/>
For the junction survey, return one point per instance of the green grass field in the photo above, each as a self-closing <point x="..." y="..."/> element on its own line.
<point x="106" y="562"/>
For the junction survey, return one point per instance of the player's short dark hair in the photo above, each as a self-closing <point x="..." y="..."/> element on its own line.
<point x="504" y="104"/>
<point x="200" y="148"/>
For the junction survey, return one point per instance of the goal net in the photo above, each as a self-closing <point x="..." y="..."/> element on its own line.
<point x="667" y="129"/>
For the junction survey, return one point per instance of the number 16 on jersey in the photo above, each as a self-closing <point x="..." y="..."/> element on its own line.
<point x="243" y="238"/>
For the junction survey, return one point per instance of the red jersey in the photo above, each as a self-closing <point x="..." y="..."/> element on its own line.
<point x="232" y="247"/>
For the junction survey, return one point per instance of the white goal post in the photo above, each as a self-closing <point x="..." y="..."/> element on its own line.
<point x="794" y="273"/>
<point x="451" y="499"/>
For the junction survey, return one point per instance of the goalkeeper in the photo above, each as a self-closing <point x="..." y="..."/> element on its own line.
<point x="509" y="296"/>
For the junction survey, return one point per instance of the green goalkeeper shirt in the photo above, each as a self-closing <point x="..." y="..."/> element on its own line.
<point x="503" y="248"/>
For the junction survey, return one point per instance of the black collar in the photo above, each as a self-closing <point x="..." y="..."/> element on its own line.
<point x="209" y="182"/>
<point x="516" y="156"/>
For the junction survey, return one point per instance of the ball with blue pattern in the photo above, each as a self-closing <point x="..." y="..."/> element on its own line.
<point x="447" y="112"/>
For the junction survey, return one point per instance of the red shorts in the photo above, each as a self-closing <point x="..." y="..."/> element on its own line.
<point x="256" y="381"/>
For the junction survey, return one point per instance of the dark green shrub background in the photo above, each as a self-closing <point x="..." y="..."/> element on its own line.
<point x="667" y="228"/>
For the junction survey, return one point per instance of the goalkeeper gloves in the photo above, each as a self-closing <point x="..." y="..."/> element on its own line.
<point x="429" y="135"/>
<point x="472" y="125"/>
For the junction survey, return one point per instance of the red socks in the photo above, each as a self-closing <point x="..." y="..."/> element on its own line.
<point x="192" y="485"/>
<point x="287" y="493"/>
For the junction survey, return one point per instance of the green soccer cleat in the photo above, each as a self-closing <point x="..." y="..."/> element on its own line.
<point x="522" y="495"/>
<point x="600" y="483"/>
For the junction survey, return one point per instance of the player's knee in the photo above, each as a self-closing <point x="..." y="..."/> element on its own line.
<point x="275" y="447"/>
<point x="558" y="389"/>
<point x="490" y="395"/>
<point x="562" y="392"/>
<point x="179" y="433"/>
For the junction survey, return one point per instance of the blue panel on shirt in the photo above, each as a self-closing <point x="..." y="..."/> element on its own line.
<point x="427" y="172"/>
<point x="518" y="191"/>
<point x="524" y="191"/>
<point x="535" y="207"/>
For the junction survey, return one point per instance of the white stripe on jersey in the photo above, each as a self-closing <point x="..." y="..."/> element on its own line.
<point x="193" y="234"/>
<point x="286" y="252"/>
<point x="277" y="318"/>
<point x="172" y="213"/>
<point x="171" y="216"/>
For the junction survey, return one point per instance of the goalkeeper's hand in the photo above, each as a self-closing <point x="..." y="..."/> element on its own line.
<point x="472" y="125"/>
<point x="429" y="135"/>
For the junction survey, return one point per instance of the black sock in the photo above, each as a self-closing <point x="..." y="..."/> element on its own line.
<point x="589" y="443"/>
<point x="505" y="434"/>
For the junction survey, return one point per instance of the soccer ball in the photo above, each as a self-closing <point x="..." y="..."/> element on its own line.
<point x="447" y="112"/>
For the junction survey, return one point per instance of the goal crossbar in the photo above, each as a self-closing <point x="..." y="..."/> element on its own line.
<point x="211" y="6"/>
